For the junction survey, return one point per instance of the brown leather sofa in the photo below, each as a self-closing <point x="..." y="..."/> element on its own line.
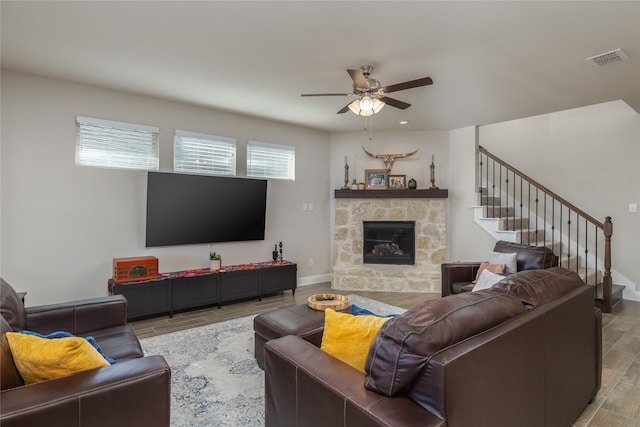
<point x="134" y="391"/>
<point x="458" y="276"/>
<point x="525" y="353"/>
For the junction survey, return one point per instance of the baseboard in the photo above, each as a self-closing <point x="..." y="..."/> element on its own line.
<point x="630" y="293"/>
<point x="312" y="280"/>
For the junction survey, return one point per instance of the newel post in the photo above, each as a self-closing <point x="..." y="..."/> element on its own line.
<point x="606" y="279"/>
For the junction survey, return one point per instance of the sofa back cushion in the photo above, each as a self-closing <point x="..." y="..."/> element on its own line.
<point x="11" y="307"/>
<point x="537" y="287"/>
<point x="405" y="343"/>
<point x="9" y="375"/>
<point x="528" y="257"/>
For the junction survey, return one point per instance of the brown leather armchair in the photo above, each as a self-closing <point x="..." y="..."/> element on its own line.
<point x="458" y="276"/>
<point x="132" y="392"/>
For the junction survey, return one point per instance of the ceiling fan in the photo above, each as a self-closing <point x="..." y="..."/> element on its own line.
<point x="371" y="95"/>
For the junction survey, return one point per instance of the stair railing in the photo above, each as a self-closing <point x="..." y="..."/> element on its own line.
<point x="564" y="226"/>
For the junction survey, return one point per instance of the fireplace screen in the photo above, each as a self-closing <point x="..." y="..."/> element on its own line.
<point x="389" y="242"/>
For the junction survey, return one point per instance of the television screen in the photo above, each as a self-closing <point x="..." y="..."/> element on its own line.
<point x="187" y="209"/>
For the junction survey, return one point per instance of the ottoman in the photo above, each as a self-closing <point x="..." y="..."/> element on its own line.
<point x="297" y="320"/>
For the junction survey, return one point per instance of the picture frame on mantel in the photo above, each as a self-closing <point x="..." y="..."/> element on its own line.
<point x="376" y="179"/>
<point x="397" y="182"/>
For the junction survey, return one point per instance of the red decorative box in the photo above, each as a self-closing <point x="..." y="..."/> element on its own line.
<point x="134" y="269"/>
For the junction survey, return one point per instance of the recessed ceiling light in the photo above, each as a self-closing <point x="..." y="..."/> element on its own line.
<point x="616" y="55"/>
<point x="404" y="122"/>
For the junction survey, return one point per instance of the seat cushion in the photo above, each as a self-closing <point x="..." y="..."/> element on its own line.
<point x="406" y="342"/>
<point x="294" y="320"/>
<point x="118" y="342"/>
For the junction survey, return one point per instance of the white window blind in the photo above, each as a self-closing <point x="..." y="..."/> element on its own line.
<point x="109" y="144"/>
<point x="271" y="161"/>
<point x="205" y="154"/>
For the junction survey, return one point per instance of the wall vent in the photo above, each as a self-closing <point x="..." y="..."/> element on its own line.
<point x="608" y="58"/>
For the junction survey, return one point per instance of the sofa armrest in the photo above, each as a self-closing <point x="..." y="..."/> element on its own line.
<point x="78" y="317"/>
<point x="305" y="386"/>
<point x="130" y="393"/>
<point x="454" y="272"/>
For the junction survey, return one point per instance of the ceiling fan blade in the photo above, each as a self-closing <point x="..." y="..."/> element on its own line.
<point x="394" y="102"/>
<point x="344" y="109"/>
<point x="358" y="79"/>
<point x="327" y="94"/>
<point x="425" y="81"/>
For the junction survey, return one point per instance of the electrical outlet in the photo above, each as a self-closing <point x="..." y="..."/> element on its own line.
<point x="310" y="262"/>
<point x="633" y="208"/>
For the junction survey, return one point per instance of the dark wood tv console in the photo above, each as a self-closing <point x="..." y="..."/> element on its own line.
<point x="182" y="290"/>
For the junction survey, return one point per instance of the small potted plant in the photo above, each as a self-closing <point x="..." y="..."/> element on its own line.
<point x="354" y="184"/>
<point x="361" y="186"/>
<point x="214" y="261"/>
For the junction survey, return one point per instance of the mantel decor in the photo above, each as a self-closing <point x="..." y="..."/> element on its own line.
<point x="389" y="159"/>
<point x="426" y="193"/>
<point x="397" y="182"/>
<point x="432" y="168"/>
<point x="376" y="179"/>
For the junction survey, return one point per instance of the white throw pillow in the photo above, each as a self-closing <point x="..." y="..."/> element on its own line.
<point x="509" y="260"/>
<point x="487" y="279"/>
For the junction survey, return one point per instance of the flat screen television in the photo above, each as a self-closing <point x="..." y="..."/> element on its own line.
<point x="188" y="209"/>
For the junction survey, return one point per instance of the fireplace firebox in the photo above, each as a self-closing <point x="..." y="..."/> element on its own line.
<point x="389" y="242"/>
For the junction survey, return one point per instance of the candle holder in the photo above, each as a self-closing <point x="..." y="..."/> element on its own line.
<point x="346" y="174"/>
<point x="433" y="173"/>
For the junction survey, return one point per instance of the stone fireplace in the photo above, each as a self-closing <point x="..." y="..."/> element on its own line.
<point x="426" y="210"/>
<point x="388" y="242"/>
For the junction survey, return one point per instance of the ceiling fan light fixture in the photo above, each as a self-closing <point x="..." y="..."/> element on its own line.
<point x="355" y="107"/>
<point x="377" y="105"/>
<point x="366" y="106"/>
<point x="366" y="103"/>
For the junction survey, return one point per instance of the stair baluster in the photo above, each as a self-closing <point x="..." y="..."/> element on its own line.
<point x="561" y="240"/>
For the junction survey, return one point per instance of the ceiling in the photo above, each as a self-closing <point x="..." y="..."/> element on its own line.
<point x="490" y="61"/>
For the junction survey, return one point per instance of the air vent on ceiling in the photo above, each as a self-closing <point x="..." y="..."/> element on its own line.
<point x="608" y="58"/>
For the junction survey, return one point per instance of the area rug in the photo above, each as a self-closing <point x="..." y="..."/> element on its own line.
<point x="215" y="380"/>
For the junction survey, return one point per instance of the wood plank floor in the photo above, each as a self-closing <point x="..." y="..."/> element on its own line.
<point x="188" y="319"/>
<point x="616" y="405"/>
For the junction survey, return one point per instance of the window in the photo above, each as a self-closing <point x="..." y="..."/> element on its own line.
<point x="205" y="154"/>
<point x="271" y="161"/>
<point x="109" y="144"/>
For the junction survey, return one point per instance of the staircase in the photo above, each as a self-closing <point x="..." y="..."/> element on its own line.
<point x="515" y="208"/>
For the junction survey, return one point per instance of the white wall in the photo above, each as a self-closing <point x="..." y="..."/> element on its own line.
<point x="62" y="224"/>
<point x="589" y="156"/>
<point x="467" y="240"/>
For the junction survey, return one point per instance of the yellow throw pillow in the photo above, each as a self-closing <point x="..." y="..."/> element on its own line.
<point x="40" y="359"/>
<point x="348" y="338"/>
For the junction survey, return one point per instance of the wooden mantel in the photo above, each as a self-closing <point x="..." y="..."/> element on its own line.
<point x="428" y="193"/>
